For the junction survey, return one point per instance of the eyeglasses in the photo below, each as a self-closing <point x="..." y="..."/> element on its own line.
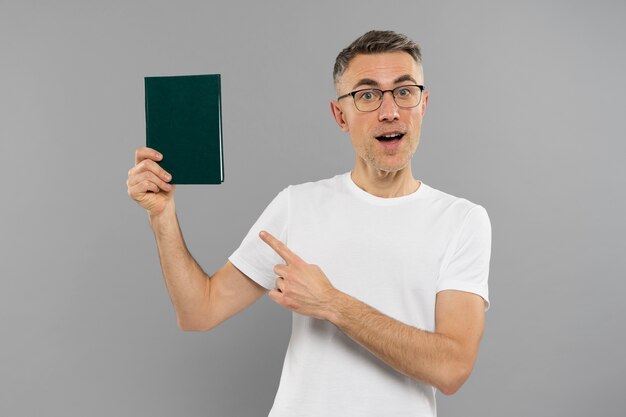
<point x="370" y="99"/>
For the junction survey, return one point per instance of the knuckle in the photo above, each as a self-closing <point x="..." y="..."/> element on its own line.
<point x="145" y="165"/>
<point x="153" y="166"/>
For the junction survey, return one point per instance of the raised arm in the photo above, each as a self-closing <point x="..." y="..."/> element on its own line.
<point x="201" y="302"/>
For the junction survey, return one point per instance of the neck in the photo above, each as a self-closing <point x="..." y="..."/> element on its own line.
<point x="385" y="184"/>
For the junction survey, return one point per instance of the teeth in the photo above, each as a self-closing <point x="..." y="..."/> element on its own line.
<point x="393" y="135"/>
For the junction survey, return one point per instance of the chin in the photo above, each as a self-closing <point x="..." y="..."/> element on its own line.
<point x="390" y="167"/>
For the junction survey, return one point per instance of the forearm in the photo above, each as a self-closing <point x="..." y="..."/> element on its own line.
<point x="185" y="280"/>
<point x="429" y="357"/>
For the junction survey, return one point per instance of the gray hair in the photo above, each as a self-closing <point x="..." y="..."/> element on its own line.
<point x="375" y="42"/>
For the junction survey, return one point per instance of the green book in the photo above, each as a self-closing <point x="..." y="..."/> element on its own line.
<point x="184" y="123"/>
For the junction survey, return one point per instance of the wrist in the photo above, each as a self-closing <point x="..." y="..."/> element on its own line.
<point x="164" y="217"/>
<point x="337" y="303"/>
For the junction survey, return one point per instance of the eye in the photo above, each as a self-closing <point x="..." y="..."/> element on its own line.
<point x="403" y="92"/>
<point x="367" y="95"/>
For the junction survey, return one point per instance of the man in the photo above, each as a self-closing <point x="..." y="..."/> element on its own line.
<point x="386" y="276"/>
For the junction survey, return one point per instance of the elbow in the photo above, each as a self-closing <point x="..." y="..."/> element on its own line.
<point x="192" y="325"/>
<point x="454" y="379"/>
<point x="449" y="389"/>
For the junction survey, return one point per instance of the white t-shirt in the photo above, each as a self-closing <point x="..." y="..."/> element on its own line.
<point x="394" y="254"/>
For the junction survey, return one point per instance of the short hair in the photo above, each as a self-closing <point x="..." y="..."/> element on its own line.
<point x="375" y="42"/>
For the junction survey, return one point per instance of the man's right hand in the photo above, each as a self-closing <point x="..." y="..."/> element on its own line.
<point x="148" y="183"/>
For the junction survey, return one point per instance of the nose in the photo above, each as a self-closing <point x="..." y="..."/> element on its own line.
<point x="388" y="109"/>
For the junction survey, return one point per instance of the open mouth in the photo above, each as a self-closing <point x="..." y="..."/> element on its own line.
<point x="389" y="137"/>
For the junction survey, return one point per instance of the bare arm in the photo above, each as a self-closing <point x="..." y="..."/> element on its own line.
<point x="444" y="358"/>
<point x="201" y="302"/>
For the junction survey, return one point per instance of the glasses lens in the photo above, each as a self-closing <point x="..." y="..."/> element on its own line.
<point x="407" y="96"/>
<point x="368" y="100"/>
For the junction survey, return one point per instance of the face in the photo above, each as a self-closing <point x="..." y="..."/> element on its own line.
<point x="367" y="129"/>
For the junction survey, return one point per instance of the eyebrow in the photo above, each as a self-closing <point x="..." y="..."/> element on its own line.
<point x="374" y="83"/>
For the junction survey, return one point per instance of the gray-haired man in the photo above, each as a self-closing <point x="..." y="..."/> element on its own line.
<point x="386" y="276"/>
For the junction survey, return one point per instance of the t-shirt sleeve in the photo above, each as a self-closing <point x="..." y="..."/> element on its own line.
<point x="254" y="257"/>
<point x="467" y="265"/>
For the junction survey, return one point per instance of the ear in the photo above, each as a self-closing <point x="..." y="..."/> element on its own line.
<point x="338" y="115"/>
<point x="424" y="102"/>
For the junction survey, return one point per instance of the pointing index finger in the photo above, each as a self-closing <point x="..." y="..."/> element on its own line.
<point x="279" y="247"/>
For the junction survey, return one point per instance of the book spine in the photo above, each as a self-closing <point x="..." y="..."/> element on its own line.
<point x="219" y="104"/>
<point x="145" y="87"/>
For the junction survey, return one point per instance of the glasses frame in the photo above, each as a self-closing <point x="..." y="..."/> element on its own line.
<point x="382" y="96"/>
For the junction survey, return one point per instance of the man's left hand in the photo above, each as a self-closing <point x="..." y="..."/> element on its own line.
<point x="300" y="287"/>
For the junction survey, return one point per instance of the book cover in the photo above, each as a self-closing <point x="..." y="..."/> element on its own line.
<point x="184" y="123"/>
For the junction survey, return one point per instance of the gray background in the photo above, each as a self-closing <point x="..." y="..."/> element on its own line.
<point x="525" y="117"/>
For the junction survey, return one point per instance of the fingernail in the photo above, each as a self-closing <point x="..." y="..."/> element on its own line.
<point x="167" y="177"/>
<point x="262" y="233"/>
<point x="159" y="156"/>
